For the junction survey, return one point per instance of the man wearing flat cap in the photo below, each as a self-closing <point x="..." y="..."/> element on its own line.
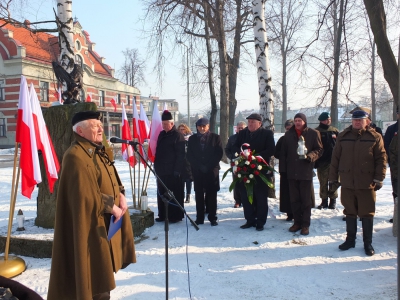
<point x="328" y="137"/>
<point x="359" y="161"/>
<point x="90" y="191"/>
<point x="262" y="142"/>
<point x="299" y="169"/>
<point x="204" y="153"/>
<point x="168" y="164"/>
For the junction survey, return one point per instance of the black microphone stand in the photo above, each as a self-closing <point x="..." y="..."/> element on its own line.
<point x="168" y="196"/>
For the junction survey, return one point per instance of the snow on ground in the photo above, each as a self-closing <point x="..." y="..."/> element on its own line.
<point x="226" y="262"/>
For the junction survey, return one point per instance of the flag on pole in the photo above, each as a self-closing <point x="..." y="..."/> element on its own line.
<point x="114" y="104"/>
<point x="144" y="130"/>
<point x="135" y="120"/>
<point x="25" y="135"/>
<point x="127" y="151"/>
<point x="89" y="97"/>
<point x="43" y="141"/>
<point x="155" y="129"/>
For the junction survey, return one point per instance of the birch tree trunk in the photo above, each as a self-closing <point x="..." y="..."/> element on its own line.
<point x="263" y="67"/>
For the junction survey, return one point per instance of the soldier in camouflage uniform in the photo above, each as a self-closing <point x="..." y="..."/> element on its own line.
<point x="328" y="137"/>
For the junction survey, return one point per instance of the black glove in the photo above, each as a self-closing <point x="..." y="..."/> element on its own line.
<point x="177" y="174"/>
<point x="377" y="185"/>
<point x="203" y="169"/>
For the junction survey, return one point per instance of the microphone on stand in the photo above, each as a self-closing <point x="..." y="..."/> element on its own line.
<point x="116" y="140"/>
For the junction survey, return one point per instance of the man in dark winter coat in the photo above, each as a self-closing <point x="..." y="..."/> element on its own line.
<point x="328" y="137"/>
<point x="204" y="153"/>
<point x="359" y="161"/>
<point x="299" y="169"/>
<point x="168" y="164"/>
<point x="262" y="142"/>
<point x="231" y="155"/>
<point x="389" y="134"/>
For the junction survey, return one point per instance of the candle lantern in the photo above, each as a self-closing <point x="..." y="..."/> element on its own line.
<point x="301" y="148"/>
<point x="143" y="202"/>
<point x="20" y="220"/>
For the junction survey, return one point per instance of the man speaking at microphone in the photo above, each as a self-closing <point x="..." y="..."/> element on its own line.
<point x="168" y="164"/>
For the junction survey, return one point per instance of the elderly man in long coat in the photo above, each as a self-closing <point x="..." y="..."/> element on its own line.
<point x="299" y="170"/>
<point x="89" y="193"/>
<point x="204" y="153"/>
<point x="170" y="156"/>
<point x="359" y="162"/>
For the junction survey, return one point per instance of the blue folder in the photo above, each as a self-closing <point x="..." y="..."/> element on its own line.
<point x="114" y="227"/>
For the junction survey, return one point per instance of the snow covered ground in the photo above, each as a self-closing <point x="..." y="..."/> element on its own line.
<point x="226" y="262"/>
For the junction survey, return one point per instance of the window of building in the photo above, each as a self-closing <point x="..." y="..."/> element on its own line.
<point x="128" y="100"/>
<point x="2" y="90"/>
<point x="78" y="60"/>
<point x="78" y="45"/>
<point x="44" y="91"/>
<point x="101" y="98"/>
<point x="118" y="98"/>
<point x="2" y="127"/>
<point x="115" y="130"/>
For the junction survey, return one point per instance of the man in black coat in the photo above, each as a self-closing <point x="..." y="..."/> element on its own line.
<point x="389" y="134"/>
<point x="261" y="140"/>
<point x="170" y="155"/>
<point x="231" y="155"/>
<point x="204" y="153"/>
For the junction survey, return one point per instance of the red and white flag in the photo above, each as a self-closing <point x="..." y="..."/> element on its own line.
<point x="155" y="129"/>
<point x="43" y="141"/>
<point x="144" y="130"/>
<point x="59" y="96"/>
<point x="135" y="121"/>
<point x="114" y="104"/>
<point x="89" y="97"/>
<point x="25" y="135"/>
<point x="127" y="151"/>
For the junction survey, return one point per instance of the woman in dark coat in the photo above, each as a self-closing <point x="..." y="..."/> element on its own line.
<point x="186" y="174"/>
<point x="284" y="197"/>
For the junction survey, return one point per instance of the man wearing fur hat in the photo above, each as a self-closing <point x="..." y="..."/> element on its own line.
<point x="168" y="164"/>
<point x="299" y="170"/>
<point x="359" y="161"/>
<point x="204" y="152"/>
<point x="328" y="137"/>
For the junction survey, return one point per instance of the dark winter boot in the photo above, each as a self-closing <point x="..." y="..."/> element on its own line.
<point x="324" y="204"/>
<point x="368" y="225"/>
<point x="351" y="228"/>
<point x="187" y="198"/>
<point x="332" y="204"/>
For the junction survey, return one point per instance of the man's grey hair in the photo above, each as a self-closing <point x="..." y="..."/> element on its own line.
<point x="241" y="123"/>
<point x="82" y="124"/>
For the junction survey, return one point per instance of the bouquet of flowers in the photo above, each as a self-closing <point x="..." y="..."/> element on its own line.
<point x="246" y="167"/>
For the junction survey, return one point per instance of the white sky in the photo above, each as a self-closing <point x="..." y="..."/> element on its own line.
<point x="115" y="26"/>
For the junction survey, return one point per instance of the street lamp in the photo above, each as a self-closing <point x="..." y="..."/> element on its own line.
<point x="187" y="78"/>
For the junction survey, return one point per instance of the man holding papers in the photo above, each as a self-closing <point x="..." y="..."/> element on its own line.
<point x="89" y="193"/>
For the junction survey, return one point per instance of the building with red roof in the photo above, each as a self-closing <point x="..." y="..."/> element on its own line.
<point x="31" y="54"/>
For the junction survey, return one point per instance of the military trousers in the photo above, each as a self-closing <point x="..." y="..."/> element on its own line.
<point x="360" y="202"/>
<point x="323" y="174"/>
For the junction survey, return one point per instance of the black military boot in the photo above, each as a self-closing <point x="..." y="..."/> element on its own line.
<point x="332" y="204"/>
<point x="351" y="228"/>
<point x="324" y="204"/>
<point x="368" y="225"/>
<point x="187" y="198"/>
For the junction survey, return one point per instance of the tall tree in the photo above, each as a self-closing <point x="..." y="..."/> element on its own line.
<point x="263" y="67"/>
<point x="132" y="71"/>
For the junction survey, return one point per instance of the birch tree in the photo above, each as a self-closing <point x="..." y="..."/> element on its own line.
<point x="263" y="66"/>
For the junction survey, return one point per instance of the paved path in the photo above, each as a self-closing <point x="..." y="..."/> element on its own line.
<point x="6" y="161"/>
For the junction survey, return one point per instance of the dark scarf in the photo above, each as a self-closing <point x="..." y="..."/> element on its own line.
<point x="203" y="138"/>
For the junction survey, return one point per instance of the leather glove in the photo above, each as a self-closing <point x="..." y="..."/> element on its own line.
<point x="177" y="174"/>
<point x="377" y="185"/>
<point x="203" y="169"/>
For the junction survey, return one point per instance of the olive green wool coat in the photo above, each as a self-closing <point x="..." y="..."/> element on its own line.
<point x="83" y="260"/>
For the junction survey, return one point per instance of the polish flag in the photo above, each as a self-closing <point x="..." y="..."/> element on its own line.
<point x="127" y="151"/>
<point x="43" y="141"/>
<point x="89" y="97"/>
<point x="135" y="121"/>
<point x="155" y="129"/>
<point x="25" y="135"/>
<point x="114" y="104"/>
<point x="144" y="130"/>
